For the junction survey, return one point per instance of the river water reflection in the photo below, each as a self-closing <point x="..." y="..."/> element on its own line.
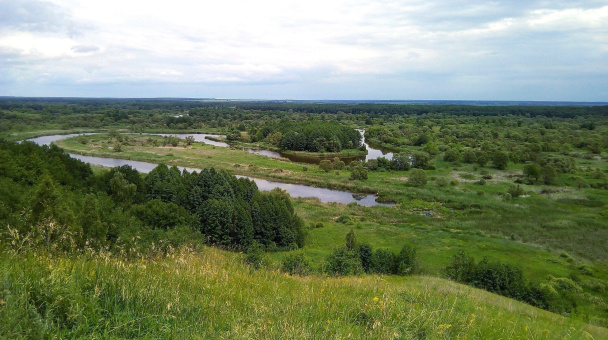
<point x="294" y="190"/>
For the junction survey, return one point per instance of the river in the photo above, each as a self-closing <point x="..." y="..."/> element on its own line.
<point x="294" y="190"/>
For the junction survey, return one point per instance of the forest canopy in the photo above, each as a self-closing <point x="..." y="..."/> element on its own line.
<point x="312" y="136"/>
<point x="48" y="197"/>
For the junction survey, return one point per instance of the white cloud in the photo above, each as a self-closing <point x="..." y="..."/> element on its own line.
<point x="478" y="44"/>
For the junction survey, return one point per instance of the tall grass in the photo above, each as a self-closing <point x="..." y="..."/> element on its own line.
<point x="211" y="294"/>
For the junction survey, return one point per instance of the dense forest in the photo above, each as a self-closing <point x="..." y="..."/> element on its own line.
<point x="47" y="196"/>
<point x="312" y="136"/>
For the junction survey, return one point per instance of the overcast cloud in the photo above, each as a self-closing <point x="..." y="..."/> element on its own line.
<point x="476" y="50"/>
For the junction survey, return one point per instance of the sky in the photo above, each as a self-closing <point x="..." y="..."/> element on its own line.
<point x="317" y="50"/>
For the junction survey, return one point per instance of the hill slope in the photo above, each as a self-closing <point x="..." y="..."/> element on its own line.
<point x="211" y="294"/>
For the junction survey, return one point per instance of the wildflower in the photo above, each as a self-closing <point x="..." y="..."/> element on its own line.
<point x="443" y="328"/>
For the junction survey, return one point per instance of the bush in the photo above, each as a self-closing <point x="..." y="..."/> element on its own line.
<point x="256" y="257"/>
<point x="556" y="295"/>
<point x="343" y="262"/>
<point x="532" y="170"/>
<point x="326" y="165"/>
<point x="383" y="262"/>
<point x="461" y="268"/>
<point x="417" y="178"/>
<point x="343" y="219"/>
<point x="485" y="174"/>
<point x="296" y="264"/>
<point x="338" y="164"/>
<point x="450" y="156"/>
<point x="441" y="182"/>
<point x="351" y="241"/>
<point x="406" y="262"/>
<point x="469" y="156"/>
<point x="516" y="190"/>
<point x="500" y="160"/>
<point x="358" y="173"/>
<point x="366" y="256"/>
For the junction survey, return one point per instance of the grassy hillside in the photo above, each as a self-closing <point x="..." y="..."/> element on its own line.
<point x="211" y="294"/>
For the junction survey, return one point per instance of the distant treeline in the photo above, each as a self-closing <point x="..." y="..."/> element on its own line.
<point x="50" y="200"/>
<point x="94" y="105"/>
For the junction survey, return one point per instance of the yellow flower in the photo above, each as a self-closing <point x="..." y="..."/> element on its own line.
<point x="443" y="327"/>
<point x="375" y="299"/>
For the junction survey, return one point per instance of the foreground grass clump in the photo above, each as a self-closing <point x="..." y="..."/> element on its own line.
<point x="212" y="294"/>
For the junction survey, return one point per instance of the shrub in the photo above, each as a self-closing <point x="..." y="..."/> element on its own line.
<point x="532" y="170"/>
<point x="343" y="262"/>
<point x="296" y="264"/>
<point x="383" y="262"/>
<point x="343" y="219"/>
<point x="441" y="182"/>
<point x="326" y="165"/>
<point x="469" y="156"/>
<point x="406" y="262"/>
<point x="351" y="241"/>
<point x="450" y="156"/>
<point x="417" y="178"/>
<point x="461" y="268"/>
<point x="500" y="160"/>
<point x="365" y="256"/>
<point x="556" y="295"/>
<point x="516" y="191"/>
<point x="358" y="173"/>
<point x="585" y="270"/>
<point x="338" y="164"/>
<point x="256" y="257"/>
<point x="372" y="164"/>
